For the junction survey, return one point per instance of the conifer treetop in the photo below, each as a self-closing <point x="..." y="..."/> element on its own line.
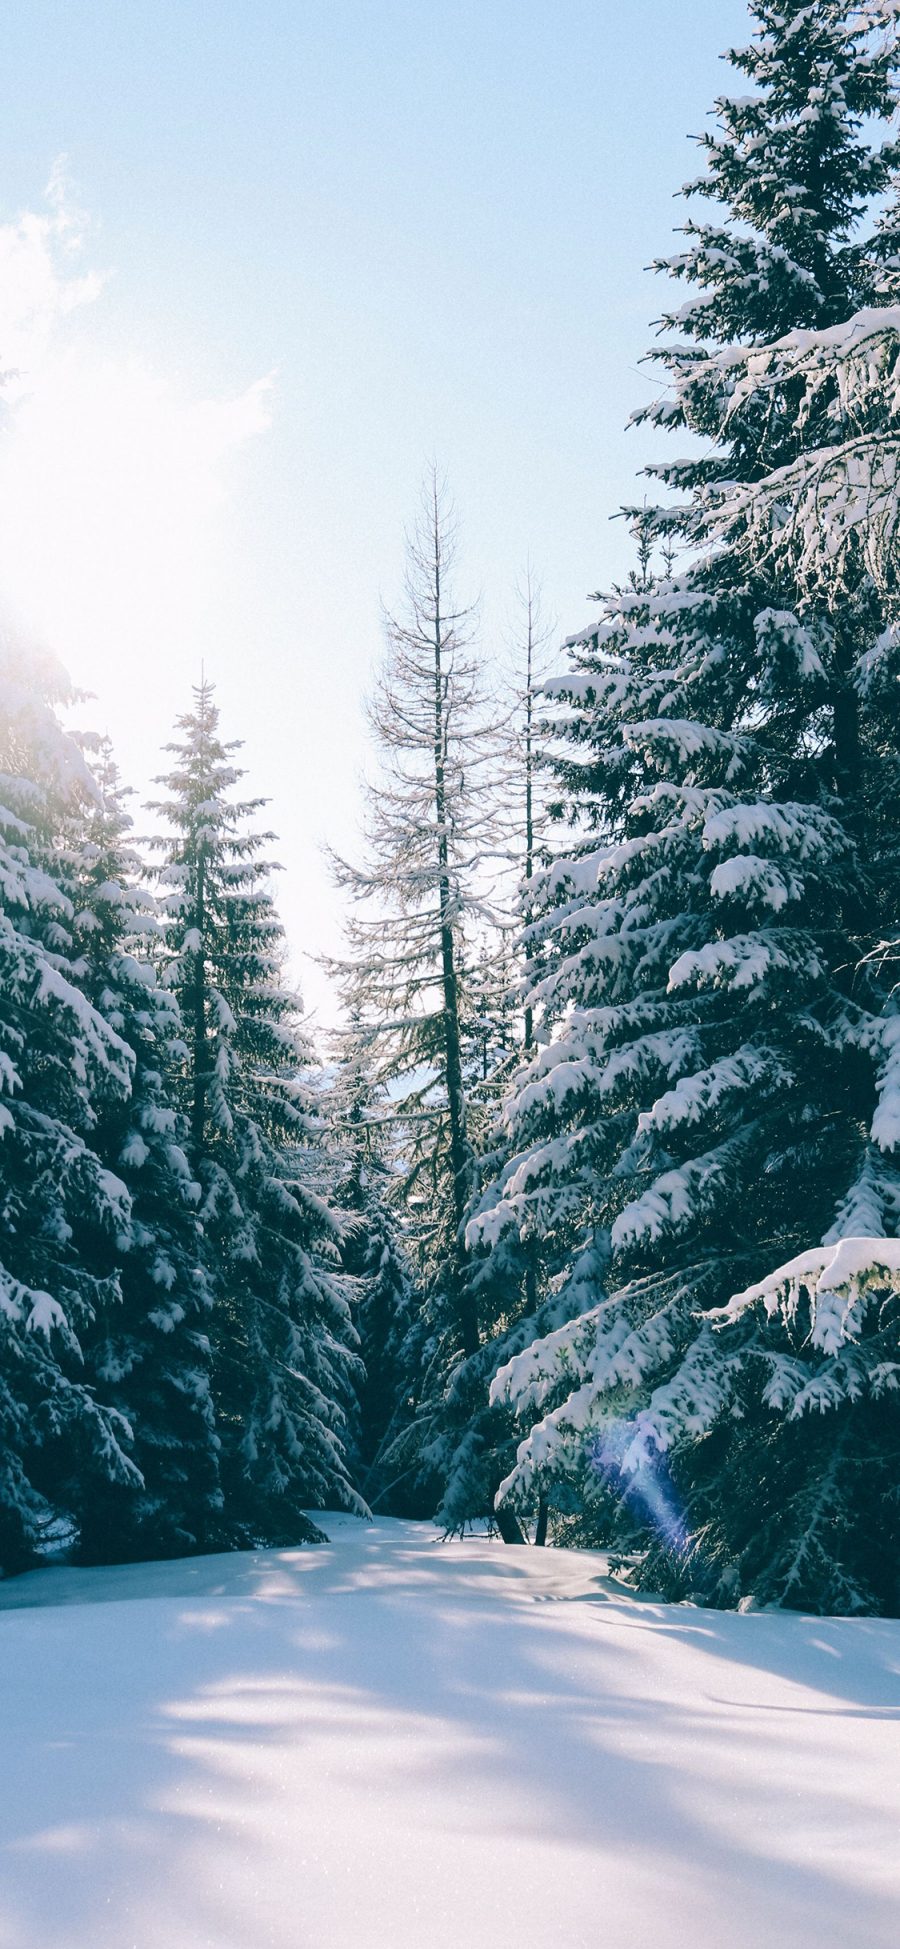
<point x="794" y="170"/>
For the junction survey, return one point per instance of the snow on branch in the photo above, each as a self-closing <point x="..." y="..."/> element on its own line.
<point x="836" y="504"/>
<point x="839" y="1281"/>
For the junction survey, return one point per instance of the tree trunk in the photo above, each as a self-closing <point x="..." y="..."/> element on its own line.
<point x="845" y="721"/>
<point x="509" y="1526"/>
<point x="456" y="1105"/>
<point x="529" y="788"/>
<point x="200" y="1079"/>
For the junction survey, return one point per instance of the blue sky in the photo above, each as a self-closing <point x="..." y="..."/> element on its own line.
<point x="314" y="244"/>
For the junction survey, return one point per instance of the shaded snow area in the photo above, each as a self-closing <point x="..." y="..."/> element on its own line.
<point x="423" y="1745"/>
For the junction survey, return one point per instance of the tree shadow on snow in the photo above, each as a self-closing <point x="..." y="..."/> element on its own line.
<point x="535" y="1766"/>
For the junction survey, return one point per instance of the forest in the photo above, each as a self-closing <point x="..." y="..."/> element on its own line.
<point x="585" y="1227"/>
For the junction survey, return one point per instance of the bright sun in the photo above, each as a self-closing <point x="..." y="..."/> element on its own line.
<point x="111" y="479"/>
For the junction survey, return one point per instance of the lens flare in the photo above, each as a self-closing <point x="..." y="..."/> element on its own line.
<point x="641" y="1479"/>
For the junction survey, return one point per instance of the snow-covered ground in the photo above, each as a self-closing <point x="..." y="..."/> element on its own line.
<point x="401" y="1742"/>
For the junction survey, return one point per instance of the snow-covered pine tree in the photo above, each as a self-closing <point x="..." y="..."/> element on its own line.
<point x="65" y="1216"/>
<point x="793" y="1487"/>
<point x="473" y="1443"/>
<point x="715" y="1089"/>
<point x="285" y="1359"/>
<point x="149" y="1354"/>
<point x="421" y="906"/>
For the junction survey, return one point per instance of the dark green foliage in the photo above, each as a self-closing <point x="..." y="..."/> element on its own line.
<point x="149" y="1355"/>
<point x="285" y="1356"/>
<point x="63" y="1216"/>
<point x="718" y="1089"/>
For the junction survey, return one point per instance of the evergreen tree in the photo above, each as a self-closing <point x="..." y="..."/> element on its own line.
<point x="65" y="1216"/>
<point x="149" y="1355"/>
<point x="284" y="1341"/>
<point x="422" y="905"/>
<point x="715" y="1090"/>
<point x="472" y="1443"/>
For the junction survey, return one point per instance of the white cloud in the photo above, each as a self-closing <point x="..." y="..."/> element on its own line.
<point x="37" y="287"/>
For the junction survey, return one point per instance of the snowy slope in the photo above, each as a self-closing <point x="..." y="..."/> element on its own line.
<point x="398" y="1741"/>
